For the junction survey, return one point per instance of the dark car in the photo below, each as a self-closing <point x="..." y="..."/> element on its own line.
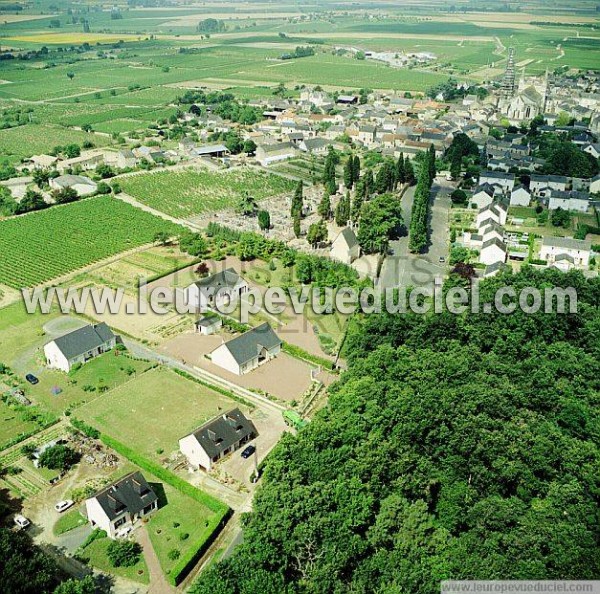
<point x="32" y="379"/>
<point x="248" y="451"/>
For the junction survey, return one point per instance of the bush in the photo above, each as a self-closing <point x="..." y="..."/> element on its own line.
<point x="87" y="430"/>
<point x="174" y="554"/>
<point x="58" y="457"/>
<point x="123" y="553"/>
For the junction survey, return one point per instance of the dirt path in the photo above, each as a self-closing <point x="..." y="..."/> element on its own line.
<point x="158" y="581"/>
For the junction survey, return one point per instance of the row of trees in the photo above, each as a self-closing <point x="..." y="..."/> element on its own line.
<point x="419" y="222"/>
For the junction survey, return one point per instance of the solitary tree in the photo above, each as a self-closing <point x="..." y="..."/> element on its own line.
<point x="264" y="220"/>
<point x="317" y="233"/>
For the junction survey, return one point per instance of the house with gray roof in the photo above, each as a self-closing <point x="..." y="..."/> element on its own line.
<point x="216" y="439"/>
<point x="345" y="247"/>
<point x="122" y="504"/>
<point x="216" y="291"/>
<point x="79" y="346"/>
<point x="247" y="351"/>
<point x="565" y="253"/>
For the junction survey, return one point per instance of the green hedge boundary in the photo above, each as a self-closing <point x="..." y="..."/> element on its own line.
<point x="216" y="523"/>
<point x="145" y="281"/>
<point x="299" y="353"/>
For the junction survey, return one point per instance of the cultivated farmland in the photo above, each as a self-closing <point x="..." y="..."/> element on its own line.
<point x="186" y="193"/>
<point x="44" y="245"/>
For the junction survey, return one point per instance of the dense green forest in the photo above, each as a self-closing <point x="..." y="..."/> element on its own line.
<point x="453" y="447"/>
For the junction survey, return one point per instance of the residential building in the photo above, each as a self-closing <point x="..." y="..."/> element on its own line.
<point x="247" y="351"/>
<point x="84" y="186"/>
<point x="565" y="253"/>
<point x="520" y="196"/>
<point x="217" y="290"/>
<point x="121" y="504"/>
<point x="216" y="439"/>
<point x="79" y="346"/>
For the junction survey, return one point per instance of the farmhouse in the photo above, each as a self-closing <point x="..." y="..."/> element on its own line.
<point x="247" y="351"/>
<point x="217" y="290"/>
<point x="121" y="504"/>
<point x="345" y="247"/>
<point x="216" y="439"/>
<point x="84" y="186"/>
<point x="79" y="346"/>
<point x="565" y="253"/>
<point x="88" y="160"/>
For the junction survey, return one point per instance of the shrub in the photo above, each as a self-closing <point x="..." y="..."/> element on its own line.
<point x="123" y="553"/>
<point x="174" y="554"/>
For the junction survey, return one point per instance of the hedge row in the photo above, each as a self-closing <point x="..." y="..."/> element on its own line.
<point x="222" y="512"/>
<point x="164" y="475"/>
<point x="299" y="353"/>
<point x="188" y="561"/>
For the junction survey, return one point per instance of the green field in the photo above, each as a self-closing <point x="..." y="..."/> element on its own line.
<point x="151" y="412"/>
<point x="186" y="193"/>
<point x="32" y="139"/>
<point x="43" y="245"/>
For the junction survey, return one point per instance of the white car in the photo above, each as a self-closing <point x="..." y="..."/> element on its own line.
<point x="123" y="532"/>
<point x="22" y="522"/>
<point x="62" y="506"/>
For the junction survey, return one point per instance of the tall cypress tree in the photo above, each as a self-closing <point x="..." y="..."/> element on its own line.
<point x="349" y="173"/>
<point x="431" y="163"/>
<point x="356" y="169"/>
<point x="298" y="201"/>
<point x="400" y="172"/>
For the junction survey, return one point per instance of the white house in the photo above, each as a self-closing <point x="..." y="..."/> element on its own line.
<point x="345" y="247"/>
<point x="79" y="346"/>
<point x="121" y="504"/>
<point x="595" y="184"/>
<point x="492" y="251"/>
<point x="216" y="439"/>
<point x="209" y="324"/>
<point x="542" y="185"/>
<point x="216" y="291"/>
<point x="266" y="154"/>
<point x="498" y="178"/>
<point x="84" y="186"/>
<point x="566" y="253"/>
<point x="483" y="196"/>
<point x="520" y="196"/>
<point x="247" y="351"/>
<point x="496" y="211"/>
<point x="577" y="201"/>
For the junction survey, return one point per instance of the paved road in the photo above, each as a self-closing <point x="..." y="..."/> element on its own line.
<point x="403" y="269"/>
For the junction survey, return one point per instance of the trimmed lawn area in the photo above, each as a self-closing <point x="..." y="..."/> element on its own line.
<point x="93" y="380"/>
<point x="169" y="525"/>
<point x="151" y="412"/>
<point x="67" y="521"/>
<point x="96" y="552"/>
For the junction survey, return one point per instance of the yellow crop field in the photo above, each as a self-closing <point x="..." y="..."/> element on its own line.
<point x="75" y="38"/>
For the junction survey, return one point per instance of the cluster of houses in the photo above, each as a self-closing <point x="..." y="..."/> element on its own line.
<point x="121" y="506"/>
<point x="550" y="191"/>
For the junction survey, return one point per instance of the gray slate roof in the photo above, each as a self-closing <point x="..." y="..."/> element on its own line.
<point x="132" y="493"/>
<point x="567" y="243"/>
<point x="224" y="431"/>
<point x="83" y="340"/>
<point x="247" y="346"/>
<point x="228" y="278"/>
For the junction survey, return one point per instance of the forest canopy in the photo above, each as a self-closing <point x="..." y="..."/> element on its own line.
<point x="453" y="447"/>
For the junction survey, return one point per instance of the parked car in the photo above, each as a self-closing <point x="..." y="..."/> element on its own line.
<point x="123" y="532"/>
<point x="22" y="522"/>
<point x="248" y="451"/>
<point x="442" y="260"/>
<point x="32" y="379"/>
<point x="62" y="506"/>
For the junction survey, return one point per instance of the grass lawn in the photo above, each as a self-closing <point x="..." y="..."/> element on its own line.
<point x="186" y="193"/>
<point x="151" y="412"/>
<point x="87" y="383"/>
<point x="96" y="552"/>
<point x="169" y="525"/>
<point x="68" y="521"/>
